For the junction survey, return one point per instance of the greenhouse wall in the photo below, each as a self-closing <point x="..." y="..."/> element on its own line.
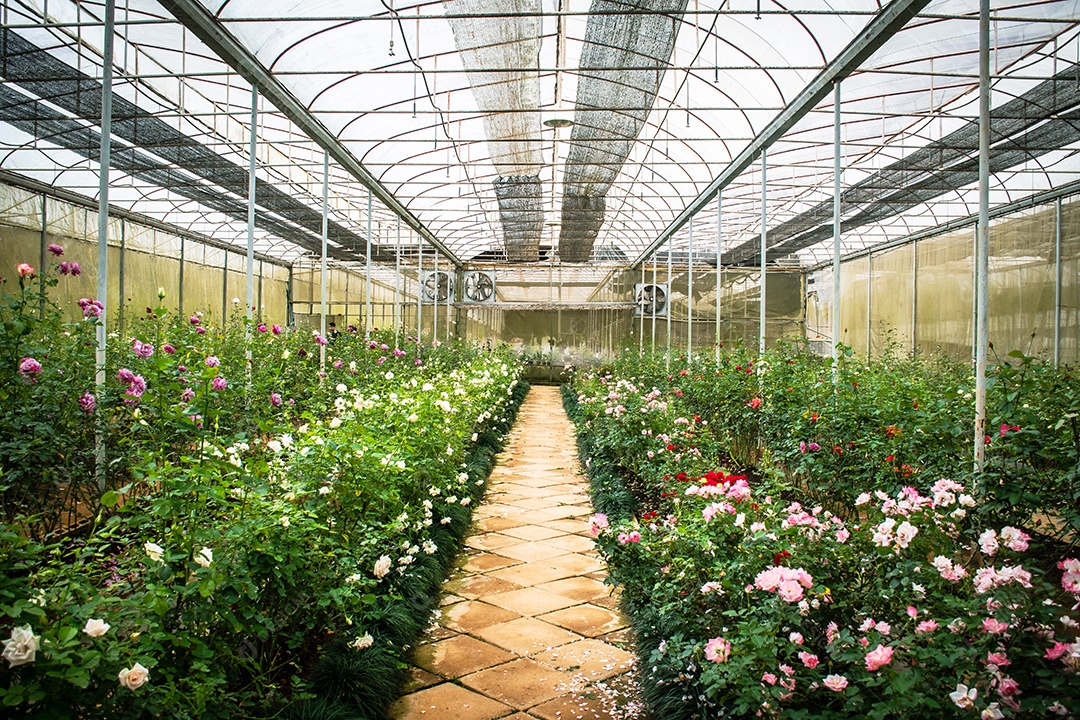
<point x="142" y="260"/>
<point x="919" y="296"/>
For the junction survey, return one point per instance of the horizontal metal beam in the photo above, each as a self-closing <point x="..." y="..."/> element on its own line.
<point x="885" y="24"/>
<point x="207" y="28"/>
<point x="553" y="305"/>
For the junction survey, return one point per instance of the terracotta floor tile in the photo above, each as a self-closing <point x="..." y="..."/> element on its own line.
<point x="471" y="615"/>
<point x="587" y="620"/>
<point x="569" y="526"/>
<point x="447" y="702"/>
<point x="521" y="683"/>
<point x="572" y="543"/>
<point x="584" y="705"/>
<point x="459" y="656"/>
<point x="484" y="562"/>
<point x="490" y="541"/>
<point x="529" y="574"/>
<point x="527" y="489"/>
<point x="590" y="659"/>
<point x="420" y="679"/>
<point x="498" y="524"/>
<point x="580" y="589"/>
<point x="533" y="532"/>
<point x="526" y="636"/>
<point x="449" y="599"/>
<point x="475" y="587"/>
<point x="530" y="552"/>
<point x="574" y="563"/>
<point x="530" y="601"/>
<point x="536" y="503"/>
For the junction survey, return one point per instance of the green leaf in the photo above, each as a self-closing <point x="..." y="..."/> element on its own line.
<point x="110" y="498"/>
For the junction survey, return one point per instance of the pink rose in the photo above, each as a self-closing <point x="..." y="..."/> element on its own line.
<point x="768" y="678"/>
<point x="810" y="660"/>
<point x="926" y="626"/>
<point x="836" y="683"/>
<point x="25" y="270"/>
<point x="1056" y="651"/>
<point x="790" y="591"/>
<point x="878" y="657"/>
<point x="994" y="627"/>
<point x="717" y="650"/>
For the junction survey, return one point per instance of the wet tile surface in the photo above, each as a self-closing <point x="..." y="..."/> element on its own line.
<point x="528" y="629"/>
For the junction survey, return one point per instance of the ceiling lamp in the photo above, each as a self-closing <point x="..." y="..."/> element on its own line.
<point x="559" y="118"/>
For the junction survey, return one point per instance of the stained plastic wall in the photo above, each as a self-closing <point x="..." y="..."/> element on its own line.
<point x="919" y="296"/>
<point x="142" y="260"/>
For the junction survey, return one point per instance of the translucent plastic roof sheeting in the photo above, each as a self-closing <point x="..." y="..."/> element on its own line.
<point x="446" y="116"/>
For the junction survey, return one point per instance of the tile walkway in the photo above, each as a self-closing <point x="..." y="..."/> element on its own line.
<point x="528" y="630"/>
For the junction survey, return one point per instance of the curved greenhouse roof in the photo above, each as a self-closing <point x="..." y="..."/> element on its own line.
<point x="448" y="112"/>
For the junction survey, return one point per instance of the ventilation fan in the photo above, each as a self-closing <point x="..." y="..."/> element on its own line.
<point x="651" y="300"/>
<point x="438" y="287"/>
<point x="479" y="287"/>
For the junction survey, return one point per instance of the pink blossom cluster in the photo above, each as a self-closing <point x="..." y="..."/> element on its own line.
<point x="1012" y="538"/>
<point x="136" y="385"/>
<point x="597" y="522"/>
<point x="141" y="349"/>
<point x="953" y="572"/>
<point x="70" y="268"/>
<point x="717" y="650"/>
<point x="889" y="533"/>
<point x="786" y="582"/>
<point x="631" y="537"/>
<point x="988" y="578"/>
<point x="91" y="308"/>
<point x="30" y="369"/>
<point x="1070" y="580"/>
<point x="710" y="511"/>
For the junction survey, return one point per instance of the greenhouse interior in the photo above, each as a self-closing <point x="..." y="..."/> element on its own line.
<point x="540" y="359"/>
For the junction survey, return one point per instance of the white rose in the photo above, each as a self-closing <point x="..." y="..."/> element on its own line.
<point x="204" y="557"/>
<point x="95" y="627"/>
<point x="153" y="551"/>
<point x="389" y="375"/>
<point x="284" y="521"/>
<point x="341" y="388"/>
<point x="22" y="646"/>
<point x="324" y="490"/>
<point x="382" y="566"/>
<point x="413" y="418"/>
<point x="364" y="641"/>
<point x="285" y="354"/>
<point x="335" y="422"/>
<point x="133" y="677"/>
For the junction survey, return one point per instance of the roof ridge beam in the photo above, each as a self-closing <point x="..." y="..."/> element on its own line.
<point x="877" y="32"/>
<point x="200" y="21"/>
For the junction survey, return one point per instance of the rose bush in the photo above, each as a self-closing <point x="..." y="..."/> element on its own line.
<point x="272" y="536"/>
<point x="838" y="575"/>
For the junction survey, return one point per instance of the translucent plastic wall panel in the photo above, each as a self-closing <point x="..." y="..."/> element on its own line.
<point x="819" y="310"/>
<point x="17" y="245"/>
<point x="144" y="274"/>
<point x="892" y="292"/>
<point x="275" y="301"/>
<point x="943" y="296"/>
<point x="202" y="286"/>
<point x="1070" y="283"/>
<point x="854" y="312"/>
<point x="20" y="208"/>
<point x="1022" y="281"/>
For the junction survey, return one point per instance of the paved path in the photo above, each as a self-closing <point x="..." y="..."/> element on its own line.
<point x="528" y="629"/>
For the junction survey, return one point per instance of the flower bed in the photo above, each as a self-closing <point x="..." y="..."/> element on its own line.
<point x="271" y="538"/>
<point x="829" y="583"/>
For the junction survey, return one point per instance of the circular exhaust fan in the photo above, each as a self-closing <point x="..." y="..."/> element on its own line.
<point x="479" y="287"/>
<point x="438" y="286"/>
<point x="651" y="300"/>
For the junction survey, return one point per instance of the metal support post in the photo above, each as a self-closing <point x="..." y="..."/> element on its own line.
<point x="1057" y="284"/>
<point x="982" y="254"/>
<point x="322" y="256"/>
<point x="690" y="296"/>
<point x="103" y="230"/>
<point x="397" y="284"/>
<point x="719" y="272"/>
<point x="764" y="219"/>
<point x="837" y="170"/>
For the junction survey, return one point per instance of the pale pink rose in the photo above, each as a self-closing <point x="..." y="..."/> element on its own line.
<point x="836" y="683"/>
<point x="964" y="697"/>
<point x="717" y="650"/>
<point x="810" y="660"/>
<point x="1056" y="651"/>
<point x="790" y="591"/>
<point x="1008" y="687"/>
<point x="994" y="627"/>
<point x="134" y="677"/>
<point x="988" y="542"/>
<point x="997" y="658"/>
<point x="597" y="523"/>
<point x="926" y="626"/>
<point x="796" y="638"/>
<point x="842" y="535"/>
<point x="912" y="612"/>
<point x="879" y="657"/>
<point x="1015" y="539"/>
<point x="768" y="678"/>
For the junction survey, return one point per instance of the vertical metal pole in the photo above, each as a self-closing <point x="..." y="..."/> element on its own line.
<point x="914" y="295"/>
<point x="690" y="296"/>
<point x="837" y="170"/>
<point x="367" y="274"/>
<point x="974" y="292"/>
<point x="719" y="271"/>
<point x="43" y="257"/>
<point x="764" y="218"/>
<point x="667" y="354"/>
<point x="419" y="290"/>
<point x="666" y="298"/>
<point x="122" y="280"/>
<point x="1057" y="284"/>
<point x="641" y="319"/>
<point x="397" y="283"/>
<point x="225" y="288"/>
<point x="983" y="245"/>
<point x="322" y="255"/>
<point x="180" y="293"/>
<point x="251" y="208"/>
<point x="435" y="307"/>
<point x="103" y="230"/>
